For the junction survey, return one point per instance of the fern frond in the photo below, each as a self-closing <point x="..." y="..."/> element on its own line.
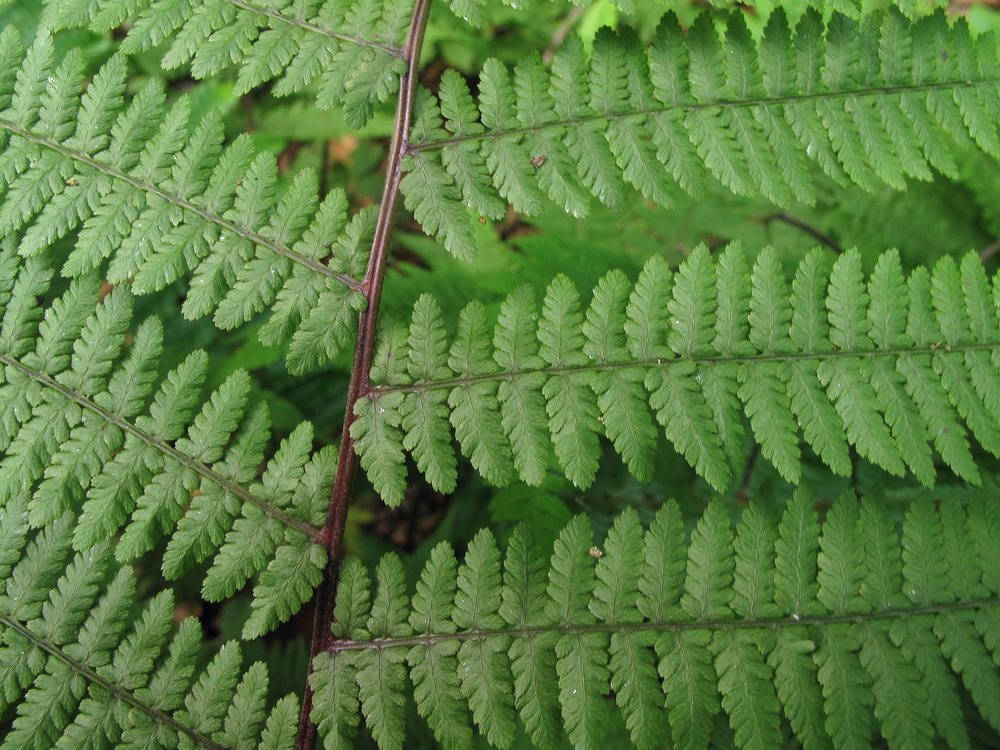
<point x="875" y="100"/>
<point x="85" y="427"/>
<point x="894" y="367"/>
<point x="81" y="666"/>
<point x="350" y="53"/>
<point x="138" y="187"/>
<point x="840" y="636"/>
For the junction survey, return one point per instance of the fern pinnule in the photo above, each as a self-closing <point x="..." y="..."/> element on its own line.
<point x="85" y="428"/>
<point x="825" y="634"/>
<point x="878" y="100"/>
<point x="889" y="365"/>
<point x="137" y="186"/>
<point x="81" y="664"/>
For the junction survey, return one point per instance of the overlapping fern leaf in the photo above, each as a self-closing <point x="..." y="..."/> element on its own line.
<point x="901" y="369"/>
<point x="160" y="196"/>
<point x="840" y="633"/>
<point x="880" y="100"/>
<point x="474" y="11"/>
<point x="299" y="42"/>
<point x="349" y="52"/>
<point x="82" y="667"/>
<point x="88" y="426"/>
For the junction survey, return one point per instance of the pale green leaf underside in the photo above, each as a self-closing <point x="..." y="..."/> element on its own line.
<point x="88" y="426"/>
<point x="879" y="100"/>
<point x="904" y="370"/>
<point x="329" y="47"/>
<point x="863" y="650"/>
<point x="81" y="665"/>
<point x="155" y="196"/>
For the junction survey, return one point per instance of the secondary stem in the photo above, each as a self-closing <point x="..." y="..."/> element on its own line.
<point x="371" y="286"/>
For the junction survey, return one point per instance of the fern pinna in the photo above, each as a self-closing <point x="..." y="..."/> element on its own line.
<point x="86" y="670"/>
<point x="880" y="100"/>
<point x="890" y="367"/>
<point x="876" y="625"/>
<point x="837" y="629"/>
<point x="85" y="429"/>
<point x="141" y="187"/>
<point x="874" y="101"/>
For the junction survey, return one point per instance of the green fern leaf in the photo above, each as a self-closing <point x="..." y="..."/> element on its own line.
<point x="462" y="160"/>
<point x="182" y="470"/>
<point x="773" y="619"/>
<point x="840" y="92"/>
<point x="570" y="403"/>
<point x="483" y="668"/>
<point x="126" y="176"/>
<point x="381" y="673"/>
<point x="833" y="362"/>
<point x="631" y="663"/>
<point x="521" y="399"/>
<point x="83" y="664"/>
<point x="533" y="659"/>
<point x="797" y="686"/>
<point x="535" y="106"/>
<point x="280" y="728"/>
<point x="580" y="657"/>
<point x="291" y="46"/>
<point x="425" y="415"/>
<point x="335" y="698"/>
<point x="474" y="406"/>
<point x="782" y="630"/>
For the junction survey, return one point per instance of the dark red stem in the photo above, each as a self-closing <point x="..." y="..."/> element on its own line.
<point x="371" y="286"/>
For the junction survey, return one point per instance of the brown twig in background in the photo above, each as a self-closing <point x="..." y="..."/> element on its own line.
<point x="807" y="228"/>
<point x="562" y="32"/>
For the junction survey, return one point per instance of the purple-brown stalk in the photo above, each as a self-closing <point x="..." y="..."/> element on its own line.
<point x="371" y="286"/>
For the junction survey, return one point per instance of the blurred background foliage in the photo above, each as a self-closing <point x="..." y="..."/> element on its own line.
<point x="924" y="222"/>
